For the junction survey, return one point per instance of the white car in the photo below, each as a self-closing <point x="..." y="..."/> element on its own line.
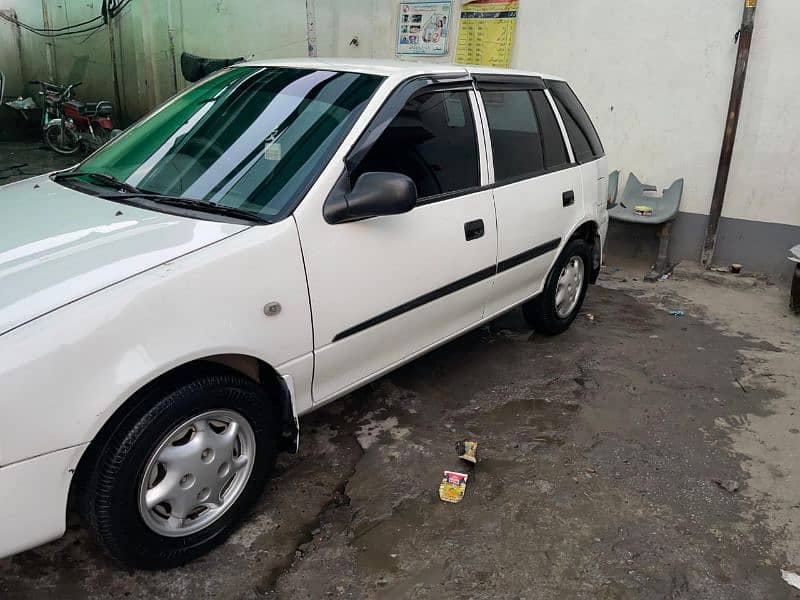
<point x="262" y="244"/>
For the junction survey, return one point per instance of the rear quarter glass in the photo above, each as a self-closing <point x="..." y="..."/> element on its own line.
<point x="572" y="110"/>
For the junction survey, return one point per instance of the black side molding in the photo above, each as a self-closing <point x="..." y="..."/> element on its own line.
<point x="419" y="301"/>
<point x="460" y="284"/>
<point x="524" y="257"/>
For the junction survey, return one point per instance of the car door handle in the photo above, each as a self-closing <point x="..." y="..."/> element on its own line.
<point x="568" y="198"/>
<point x="474" y="230"/>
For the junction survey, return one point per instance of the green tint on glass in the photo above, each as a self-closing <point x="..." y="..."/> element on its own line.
<point x="252" y="138"/>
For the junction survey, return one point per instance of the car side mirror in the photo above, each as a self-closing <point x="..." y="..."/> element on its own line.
<point x="375" y="194"/>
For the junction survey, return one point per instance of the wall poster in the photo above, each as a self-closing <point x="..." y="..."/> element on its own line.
<point x="423" y="27"/>
<point x="486" y="33"/>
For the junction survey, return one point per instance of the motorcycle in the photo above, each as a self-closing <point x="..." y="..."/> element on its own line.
<point x="78" y="124"/>
<point x="50" y="97"/>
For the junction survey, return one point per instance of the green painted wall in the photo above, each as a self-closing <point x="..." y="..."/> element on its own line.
<point x="146" y="31"/>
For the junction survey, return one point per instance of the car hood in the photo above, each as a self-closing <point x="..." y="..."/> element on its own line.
<point x="58" y="245"/>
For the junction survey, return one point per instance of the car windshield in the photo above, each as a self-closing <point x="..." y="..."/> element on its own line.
<point x="249" y="138"/>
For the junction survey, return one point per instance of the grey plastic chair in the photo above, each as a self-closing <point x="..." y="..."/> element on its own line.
<point x="794" y="298"/>
<point x="613" y="189"/>
<point x="665" y="207"/>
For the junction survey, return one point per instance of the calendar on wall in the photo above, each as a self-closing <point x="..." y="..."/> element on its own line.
<point x="486" y="33"/>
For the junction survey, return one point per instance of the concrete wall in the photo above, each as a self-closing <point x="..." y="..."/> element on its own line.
<point x="656" y="78"/>
<point x="10" y="63"/>
<point x="654" y="75"/>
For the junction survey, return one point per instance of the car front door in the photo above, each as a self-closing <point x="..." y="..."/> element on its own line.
<point x="537" y="187"/>
<point x="386" y="288"/>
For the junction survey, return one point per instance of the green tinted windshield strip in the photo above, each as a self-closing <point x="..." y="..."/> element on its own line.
<point x="251" y="138"/>
<point x="143" y="141"/>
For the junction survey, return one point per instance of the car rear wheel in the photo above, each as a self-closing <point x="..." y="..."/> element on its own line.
<point x="176" y="477"/>
<point x="554" y="310"/>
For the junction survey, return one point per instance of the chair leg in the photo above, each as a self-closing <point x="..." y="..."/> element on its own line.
<point x="663" y="253"/>
<point x="795" y="297"/>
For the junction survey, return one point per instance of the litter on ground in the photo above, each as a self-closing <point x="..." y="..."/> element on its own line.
<point x="677" y="312"/>
<point x="453" y="486"/>
<point x="467" y="450"/>
<point x="793" y="579"/>
<point x="729" y="485"/>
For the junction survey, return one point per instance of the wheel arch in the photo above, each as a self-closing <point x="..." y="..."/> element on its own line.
<point x="589" y="231"/>
<point x="249" y="366"/>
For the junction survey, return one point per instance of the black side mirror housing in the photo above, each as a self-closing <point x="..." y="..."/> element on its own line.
<point x="375" y="194"/>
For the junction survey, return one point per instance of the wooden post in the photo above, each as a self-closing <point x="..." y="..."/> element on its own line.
<point x="731" y="125"/>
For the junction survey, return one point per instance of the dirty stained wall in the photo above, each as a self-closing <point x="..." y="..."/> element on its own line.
<point x="655" y="76"/>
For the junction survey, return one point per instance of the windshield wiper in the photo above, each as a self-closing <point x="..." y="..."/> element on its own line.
<point x="191" y="204"/>
<point x="102" y="178"/>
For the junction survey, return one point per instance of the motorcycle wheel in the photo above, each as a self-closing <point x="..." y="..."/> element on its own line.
<point x="63" y="140"/>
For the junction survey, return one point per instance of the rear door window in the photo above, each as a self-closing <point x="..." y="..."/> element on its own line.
<point x="515" y="134"/>
<point x="555" y="152"/>
<point x="582" y="134"/>
<point x="433" y="141"/>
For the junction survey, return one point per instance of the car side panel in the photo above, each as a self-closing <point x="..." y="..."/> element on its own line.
<point x="33" y="495"/>
<point x="597" y="192"/>
<point x="64" y="374"/>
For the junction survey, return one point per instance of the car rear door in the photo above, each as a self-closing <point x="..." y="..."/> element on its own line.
<point x="587" y="149"/>
<point x="386" y="288"/>
<point x="537" y="186"/>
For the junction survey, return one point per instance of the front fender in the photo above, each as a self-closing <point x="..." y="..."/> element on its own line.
<point x="64" y="374"/>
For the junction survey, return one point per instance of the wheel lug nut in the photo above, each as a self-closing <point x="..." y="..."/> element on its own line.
<point x="187" y="481"/>
<point x="204" y="494"/>
<point x="223" y="470"/>
<point x="207" y="456"/>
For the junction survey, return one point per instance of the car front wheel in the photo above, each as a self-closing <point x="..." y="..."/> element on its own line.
<point x="179" y="474"/>
<point x="554" y="310"/>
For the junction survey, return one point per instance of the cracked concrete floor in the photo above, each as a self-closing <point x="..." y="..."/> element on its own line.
<point x="599" y="452"/>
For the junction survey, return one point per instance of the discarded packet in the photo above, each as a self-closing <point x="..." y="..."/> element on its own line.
<point x="677" y="312"/>
<point x="467" y="450"/>
<point x="453" y="486"/>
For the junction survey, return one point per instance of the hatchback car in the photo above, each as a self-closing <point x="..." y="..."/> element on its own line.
<point x="265" y="242"/>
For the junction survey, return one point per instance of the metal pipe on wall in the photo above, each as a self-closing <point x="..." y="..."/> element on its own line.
<point x="311" y="27"/>
<point x="113" y="54"/>
<point x="731" y="125"/>
<point x="172" y="56"/>
<point x="50" y="45"/>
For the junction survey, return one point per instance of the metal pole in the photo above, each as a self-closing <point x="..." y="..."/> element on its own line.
<point x="113" y="47"/>
<point x="732" y="123"/>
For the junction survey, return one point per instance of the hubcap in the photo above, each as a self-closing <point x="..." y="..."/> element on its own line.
<point x="568" y="290"/>
<point x="196" y="473"/>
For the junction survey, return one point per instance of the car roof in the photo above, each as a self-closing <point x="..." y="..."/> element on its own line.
<point x="389" y="68"/>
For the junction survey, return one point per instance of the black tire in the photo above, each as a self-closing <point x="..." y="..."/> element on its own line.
<point x="540" y="313"/>
<point x="109" y="498"/>
<point x="64" y="141"/>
